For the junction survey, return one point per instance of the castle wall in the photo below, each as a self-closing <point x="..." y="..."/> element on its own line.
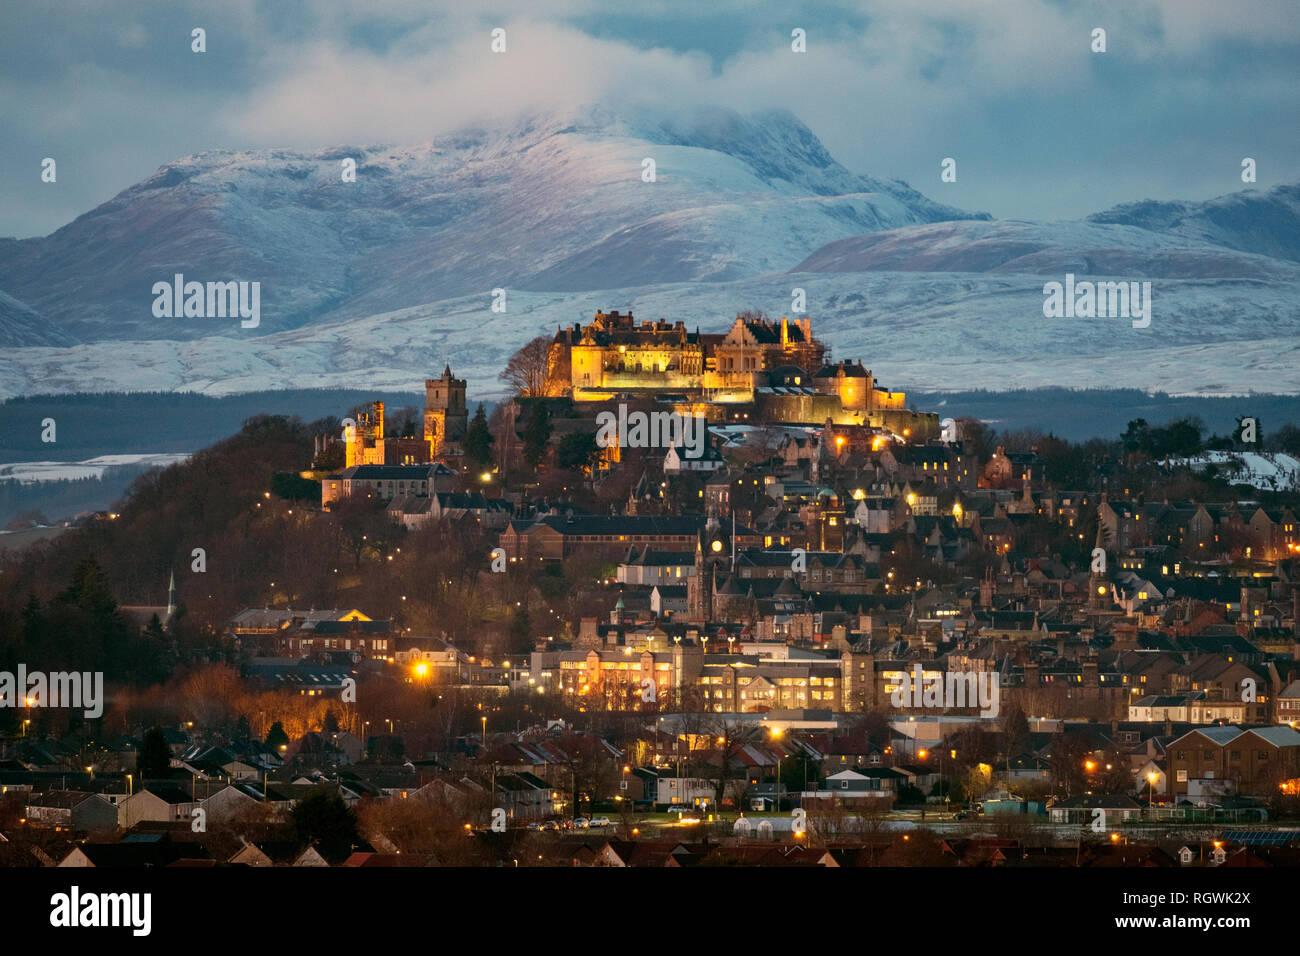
<point x="917" y="426"/>
<point x="812" y="408"/>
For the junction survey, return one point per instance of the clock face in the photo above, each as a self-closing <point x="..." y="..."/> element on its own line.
<point x="716" y="546"/>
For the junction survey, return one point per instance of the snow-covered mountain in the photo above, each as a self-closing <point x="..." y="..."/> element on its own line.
<point x="552" y="202"/>
<point x="20" y="326"/>
<point x="1266" y="222"/>
<point x="384" y="280"/>
<point x="1044" y="249"/>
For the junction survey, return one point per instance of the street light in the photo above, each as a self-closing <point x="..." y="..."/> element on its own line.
<point x="776" y="789"/>
<point x="776" y="733"/>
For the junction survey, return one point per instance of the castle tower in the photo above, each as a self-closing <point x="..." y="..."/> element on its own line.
<point x="445" y="415"/>
<point x="364" y="441"/>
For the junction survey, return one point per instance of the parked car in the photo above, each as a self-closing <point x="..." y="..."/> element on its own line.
<point x="581" y="823"/>
<point x="599" y="822"/>
<point x="550" y="825"/>
<point x="679" y="809"/>
<point x="534" y="826"/>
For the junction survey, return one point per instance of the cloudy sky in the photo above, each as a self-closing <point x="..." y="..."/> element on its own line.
<point x="1040" y="126"/>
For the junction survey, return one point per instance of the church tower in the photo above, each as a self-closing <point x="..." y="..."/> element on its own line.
<point x="699" y="586"/>
<point x="445" y="415"/>
<point x="713" y="548"/>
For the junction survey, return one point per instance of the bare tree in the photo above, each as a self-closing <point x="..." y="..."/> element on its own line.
<point x="527" y="372"/>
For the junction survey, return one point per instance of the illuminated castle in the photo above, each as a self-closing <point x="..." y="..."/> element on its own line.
<point x="614" y="354"/>
<point x="776" y="369"/>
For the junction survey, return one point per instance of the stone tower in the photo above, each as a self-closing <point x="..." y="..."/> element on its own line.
<point x="445" y="414"/>
<point x="712" y="546"/>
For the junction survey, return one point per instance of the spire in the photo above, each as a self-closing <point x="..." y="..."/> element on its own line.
<point x="171" y="596"/>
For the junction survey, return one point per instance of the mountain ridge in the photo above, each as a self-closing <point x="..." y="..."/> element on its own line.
<point x="537" y="204"/>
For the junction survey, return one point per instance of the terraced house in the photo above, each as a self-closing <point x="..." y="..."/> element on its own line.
<point x="1213" y="761"/>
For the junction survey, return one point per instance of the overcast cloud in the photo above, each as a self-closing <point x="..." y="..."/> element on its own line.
<point x="1040" y="126"/>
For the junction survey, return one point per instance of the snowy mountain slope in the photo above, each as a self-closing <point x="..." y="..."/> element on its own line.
<point x="1266" y="222"/>
<point x="915" y="330"/>
<point x="552" y="202"/>
<point x="22" y="326"/>
<point x="1043" y="248"/>
<point x="383" y="280"/>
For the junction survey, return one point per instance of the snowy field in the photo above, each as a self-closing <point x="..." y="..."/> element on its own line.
<point x="29" y="472"/>
<point x="1274" y="472"/>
